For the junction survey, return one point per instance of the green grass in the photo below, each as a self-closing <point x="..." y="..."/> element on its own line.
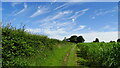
<point x="21" y="48"/>
<point x="53" y="58"/>
<point x="100" y="54"/>
<point x="58" y="56"/>
<point x="72" y="57"/>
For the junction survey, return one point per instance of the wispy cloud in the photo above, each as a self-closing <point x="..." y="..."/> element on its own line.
<point x="40" y="10"/>
<point x="53" y="1"/>
<point x="109" y="27"/>
<point x="58" y="15"/>
<point x="61" y="6"/>
<point x="104" y="11"/>
<point x="79" y="13"/>
<point x="15" y="3"/>
<point x="106" y="27"/>
<point x="80" y="28"/>
<point x="61" y="14"/>
<point x="21" y="11"/>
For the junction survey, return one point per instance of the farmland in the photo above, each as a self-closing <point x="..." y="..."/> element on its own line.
<point x="20" y="48"/>
<point x="99" y="54"/>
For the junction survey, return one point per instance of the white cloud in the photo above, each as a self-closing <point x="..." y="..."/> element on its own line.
<point x="40" y="11"/>
<point x="53" y="1"/>
<point x="73" y="20"/>
<point x="60" y="33"/>
<point x="101" y="12"/>
<point x="15" y="3"/>
<point x="58" y="15"/>
<point x="104" y="11"/>
<point x="61" y="14"/>
<point x="80" y="28"/>
<point x="79" y="13"/>
<point x="103" y="36"/>
<point x="106" y="27"/>
<point x="49" y="32"/>
<point x="109" y="27"/>
<point x="61" y="6"/>
<point x="21" y="11"/>
<point x="37" y="30"/>
<point x="54" y="32"/>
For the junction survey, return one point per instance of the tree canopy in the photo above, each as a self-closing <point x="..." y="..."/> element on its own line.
<point x="75" y="39"/>
<point x="96" y="40"/>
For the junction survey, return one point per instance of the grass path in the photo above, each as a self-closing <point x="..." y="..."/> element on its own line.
<point x="64" y="57"/>
<point x="58" y="56"/>
<point x="70" y="58"/>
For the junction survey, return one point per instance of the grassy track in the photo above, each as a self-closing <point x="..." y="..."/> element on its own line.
<point x="72" y="58"/>
<point x="58" y="57"/>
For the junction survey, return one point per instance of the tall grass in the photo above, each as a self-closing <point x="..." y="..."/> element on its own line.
<point x="100" y="54"/>
<point x="21" y="48"/>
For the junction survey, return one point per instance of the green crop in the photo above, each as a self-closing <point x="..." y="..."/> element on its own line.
<point x="101" y="54"/>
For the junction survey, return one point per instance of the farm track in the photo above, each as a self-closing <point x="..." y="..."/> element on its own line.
<point x="66" y="57"/>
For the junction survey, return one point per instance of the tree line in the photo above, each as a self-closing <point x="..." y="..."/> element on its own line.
<point x="80" y="39"/>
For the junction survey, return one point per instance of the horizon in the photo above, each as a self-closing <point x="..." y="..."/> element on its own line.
<point x="63" y="19"/>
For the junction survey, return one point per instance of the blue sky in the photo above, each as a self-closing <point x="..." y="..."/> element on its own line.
<point x="63" y="19"/>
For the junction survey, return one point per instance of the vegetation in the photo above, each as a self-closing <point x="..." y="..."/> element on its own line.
<point x="118" y="40"/>
<point x="99" y="54"/>
<point x="75" y="39"/>
<point x="21" y="48"/>
<point x="96" y="40"/>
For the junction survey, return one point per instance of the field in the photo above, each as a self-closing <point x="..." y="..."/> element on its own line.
<point x="99" y="54"/>
<point x="20" y="48"/>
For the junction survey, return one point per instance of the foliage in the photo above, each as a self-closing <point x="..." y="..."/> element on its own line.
<point x="101" y="54"/>
<point x="118" y="40"/>
<point x="80" y="39"/>
<point x="18" y="44"/>
<point x="96" y="40"/>
<point x="76" y="39"/>
<point x="73" y="38"/>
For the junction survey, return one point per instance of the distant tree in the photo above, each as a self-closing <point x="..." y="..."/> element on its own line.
<point x="80" y="39"/>
<point x="96" y="40"/>
<point x="112" y="41"/>
<point x="73" y="39"/>
<point x="118" y="40"/>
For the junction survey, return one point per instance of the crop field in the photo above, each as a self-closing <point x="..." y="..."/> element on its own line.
<point x="20" y="48"/>
<point x="99" y="54"/>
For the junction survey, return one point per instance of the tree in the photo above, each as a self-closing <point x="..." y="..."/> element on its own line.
<point x="73" y="39"/>
<point x="80" y="39"/>
<point x="118" y="40"/>
<point x="112" y="41"/>
<point x="96" y="40"/>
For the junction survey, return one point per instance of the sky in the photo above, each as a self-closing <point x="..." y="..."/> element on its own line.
<point x="63" y="19"/>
